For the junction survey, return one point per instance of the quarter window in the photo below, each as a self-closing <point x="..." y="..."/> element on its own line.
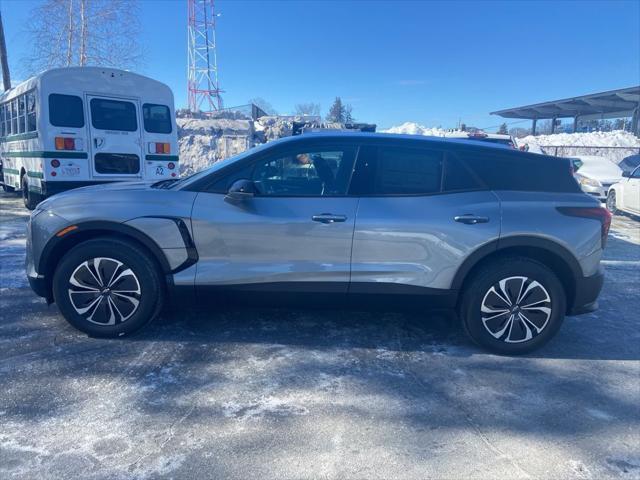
<point x="157" y="118"/>
<point x="113" y="115"/>
<point x="636" y="173"/>
<point x="66" y="111"/>
<point x="307" y="172"/>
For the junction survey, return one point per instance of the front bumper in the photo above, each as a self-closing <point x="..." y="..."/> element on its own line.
<point x="586" y="295"/>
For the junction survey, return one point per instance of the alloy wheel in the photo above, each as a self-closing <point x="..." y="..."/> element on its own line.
<point x="516" y="309"/>
<point x="104" y="291"/>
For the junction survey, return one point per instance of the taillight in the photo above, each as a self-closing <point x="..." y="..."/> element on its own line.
<point x="160" y="147"/>
<point x="595" y="213"/>
<point x="65" y="143"/>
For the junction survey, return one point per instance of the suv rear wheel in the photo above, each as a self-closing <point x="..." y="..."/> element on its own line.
<point x="107" y="287"/>
<point x="513" y="306"/>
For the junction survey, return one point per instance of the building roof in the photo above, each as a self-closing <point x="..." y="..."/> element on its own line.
<point x="611" y="104"/>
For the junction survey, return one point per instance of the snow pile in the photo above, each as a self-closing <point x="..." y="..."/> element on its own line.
<point x="412" y="128"/>
<point x="203" y="142"/>
<point x="592" y="143"/>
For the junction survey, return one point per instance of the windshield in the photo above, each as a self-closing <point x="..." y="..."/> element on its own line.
<point x="188" y="180"/>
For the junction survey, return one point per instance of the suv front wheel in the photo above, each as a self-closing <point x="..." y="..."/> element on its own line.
<point x="107" y="287"/>
<point x="513" y="306"/>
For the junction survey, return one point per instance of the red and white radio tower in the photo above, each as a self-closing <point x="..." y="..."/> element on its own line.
<point x="204" y="91"/>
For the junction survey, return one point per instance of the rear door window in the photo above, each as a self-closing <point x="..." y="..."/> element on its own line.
<point x="66" y="111"/>
<point x="157" y="118"/>
<point x="397" y="171"/>
<point x="117" y="163"/>
<point x="107" y="114"/>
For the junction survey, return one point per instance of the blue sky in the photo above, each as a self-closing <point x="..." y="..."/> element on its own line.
<point x="424" y="61"/>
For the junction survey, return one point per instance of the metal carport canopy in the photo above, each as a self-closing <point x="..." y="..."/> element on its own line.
<point x="612" y="104"/>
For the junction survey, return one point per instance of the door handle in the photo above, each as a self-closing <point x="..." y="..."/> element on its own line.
<point x="470" y="219"/>
<point x="329" y="218"/>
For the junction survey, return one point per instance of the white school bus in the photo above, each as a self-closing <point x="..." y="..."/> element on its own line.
<point x="76" y="126"/>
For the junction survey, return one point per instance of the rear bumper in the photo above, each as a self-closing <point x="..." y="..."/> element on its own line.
<point x="587" y="291"/>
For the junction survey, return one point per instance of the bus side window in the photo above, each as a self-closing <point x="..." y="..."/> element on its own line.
<point x="14" y="116"/>
<point x="2" y="124"/>
<point x="22" y="114"/>
<point x="31" y="112"/>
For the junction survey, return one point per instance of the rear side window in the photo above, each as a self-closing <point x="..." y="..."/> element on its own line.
<point x="113" y="115"/>
<point x="522" y="172"/>
<point x="66" y="111"/>
<point x="157" y="118"/>
<point x="397" y="171"/>
<point x="458" y="176"/>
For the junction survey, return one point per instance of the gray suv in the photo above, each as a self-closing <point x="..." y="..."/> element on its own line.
<point x="506" y="238"/>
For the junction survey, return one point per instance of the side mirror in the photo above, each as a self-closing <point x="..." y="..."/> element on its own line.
<point x="626" y="173"/>
<point x="240" y="191"/>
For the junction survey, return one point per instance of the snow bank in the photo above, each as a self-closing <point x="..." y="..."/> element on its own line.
<point x="412" y="128"/>
<point x="203" y="142"/>
<point x="592" y="143"/>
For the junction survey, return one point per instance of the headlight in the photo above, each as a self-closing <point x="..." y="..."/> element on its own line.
<point x="590" y="182"/>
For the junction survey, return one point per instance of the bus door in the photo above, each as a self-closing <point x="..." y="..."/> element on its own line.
<point x="115" y="137"/>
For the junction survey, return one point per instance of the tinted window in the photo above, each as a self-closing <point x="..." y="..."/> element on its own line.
<point x="117" y="163"/>
<point x="630" y="162"/>
<point x="457" y="176"/>
<point x="113" y="115"/>
<point x="157" y="118"/>
<point x="306" y="172"/>
<point x="636" y="173"/>
<point x="66" y="111"/>
<point x="519" y="171"/>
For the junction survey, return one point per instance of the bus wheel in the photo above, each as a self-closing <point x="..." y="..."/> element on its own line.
<point x="30" y="198"/>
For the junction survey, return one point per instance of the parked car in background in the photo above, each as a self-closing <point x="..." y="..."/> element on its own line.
<point x="630" y="163"/>
<point x="596" y="174"/>
<point x="625" y="195"/>
<point x="494" y="138"/>
<point x="433" y="222"/>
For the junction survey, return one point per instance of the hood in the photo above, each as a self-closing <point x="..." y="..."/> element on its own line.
<point x="119" y="201"/>
<point x="600" y="168"/>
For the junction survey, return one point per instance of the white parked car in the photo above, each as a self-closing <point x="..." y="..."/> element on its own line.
<point x="625" y="195"/>
<point x="596" y="174"/>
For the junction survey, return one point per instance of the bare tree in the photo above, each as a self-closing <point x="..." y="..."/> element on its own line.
<point x="310" y="108"/>
<point x="84" y="32"/>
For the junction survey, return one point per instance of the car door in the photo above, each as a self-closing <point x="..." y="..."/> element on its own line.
<point x="631" y="191"/>
<point x="421" y="213"/>
<point x="295" y="232"/>
<point x="115" y="137"/>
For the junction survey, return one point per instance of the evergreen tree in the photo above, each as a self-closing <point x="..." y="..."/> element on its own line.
<point x="504" y="130"/>
<point x="336" y="112"/>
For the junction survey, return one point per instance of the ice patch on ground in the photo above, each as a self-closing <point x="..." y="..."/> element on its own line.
<point x="12" y="253"/>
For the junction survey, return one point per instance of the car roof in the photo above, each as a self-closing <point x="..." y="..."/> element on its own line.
<point x="357" y="136"/>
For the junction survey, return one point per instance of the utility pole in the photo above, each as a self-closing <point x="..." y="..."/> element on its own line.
<point x="4" y="60"/>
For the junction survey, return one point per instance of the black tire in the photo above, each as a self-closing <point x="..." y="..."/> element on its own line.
<point x="30" y="199"/>
<point x="506" y="333"/>
<point x="112" y="307"/>
<point x="611" y="202"/>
